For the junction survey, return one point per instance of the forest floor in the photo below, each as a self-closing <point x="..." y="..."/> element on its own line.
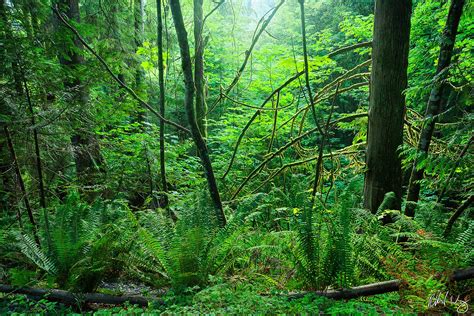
<point x="238" y="297"/>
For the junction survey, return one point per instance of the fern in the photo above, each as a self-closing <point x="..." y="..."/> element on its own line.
<point x="31" y="250"/>
<point x="465" y="240"/>
<point x="83" y="247"/>
<point x="186" y="252"/>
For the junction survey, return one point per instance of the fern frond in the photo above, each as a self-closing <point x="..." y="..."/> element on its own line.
<point x="34" y="253"/>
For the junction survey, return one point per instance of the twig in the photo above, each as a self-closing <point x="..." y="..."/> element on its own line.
<point x="302" y="162"/>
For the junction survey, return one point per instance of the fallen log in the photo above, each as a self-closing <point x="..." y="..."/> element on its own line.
<point x="70" y="298"/>
<point x="376" y="288"/>
<point x="80" y="298"/>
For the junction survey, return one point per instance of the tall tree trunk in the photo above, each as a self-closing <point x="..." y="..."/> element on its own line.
<point x="201" y="107"/>
<point x="161" y="81"/>
<point x="387" y="102"/>
<point x="434" y="105"/>
<point x="7" y="188"/>
<point x="85" y="147"/>
<point x="39" y="166"/>
<point x="190" y="111"/>
<point x="139" y="29"/>
<point x="9" y="49"/>
<point x="306" y="65"/>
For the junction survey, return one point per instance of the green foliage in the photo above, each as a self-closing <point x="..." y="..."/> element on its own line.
<point x="186" y="252"/>
<point x="226" y="298"/>
<point x="86" y="243"/>
<point x="324" y="254"/>
<point x="276" y="239"/>
<point x="21" y="305"/>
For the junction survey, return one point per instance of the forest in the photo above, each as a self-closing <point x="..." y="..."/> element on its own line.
<point x="236" y="157"/>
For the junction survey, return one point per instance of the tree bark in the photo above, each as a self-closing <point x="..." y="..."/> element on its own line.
<point x="201" y="107"/>
<point x="39" y="165"/>
<point x="190" y="111"/>
<point x="139" y="29"/>
<point x="7" y="189"/>
<point x="161" y="82"/>
<point x="434" y="105"/>
<point x="85" y="147"/>
<point x="387" y="102"/>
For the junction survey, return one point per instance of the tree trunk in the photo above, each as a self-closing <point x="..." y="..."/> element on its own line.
<point x="190" y="111"/>
<point x="306" y="66"/>
<point x="139" y="29"/>
<point x="85" y="147"/>
<point x="387" y="102"/>
<point x="161" y="81"/>
<point x="7" y="188"/>
<point x="201" y="107"/>
<point x="433" y="107"/>
<point x="39" y="165"/>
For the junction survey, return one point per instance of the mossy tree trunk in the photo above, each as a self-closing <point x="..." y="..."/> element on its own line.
<point x="86" y="150"/>
<point x="201" y="107"/>
<point x="433" y="107"/>
<point x="191" y="113"/>
<point x="387" y="102"/>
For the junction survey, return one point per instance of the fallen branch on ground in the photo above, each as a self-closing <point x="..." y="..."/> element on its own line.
<point x="70" y="298"/>
<point x="377" y="288"/>
<point x="75" y="298"/>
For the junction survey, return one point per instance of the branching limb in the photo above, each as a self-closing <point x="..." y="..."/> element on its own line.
<point x="302" y="162"/>
<point x="457" y="213"/>
<point x="252" y="45"/>
<point x="114" y="76"/>
<point x="254" y="116"/>
<point x="321" y="95"/>
<point x="248" y="53"/>
<point x="212" y="11"/>
<point x="355" y="86"/>
<point x="255" y="107"/>
<point x="346" y="76"/>
<point x="349" y="48"/>
<point x="275" y="118"/>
